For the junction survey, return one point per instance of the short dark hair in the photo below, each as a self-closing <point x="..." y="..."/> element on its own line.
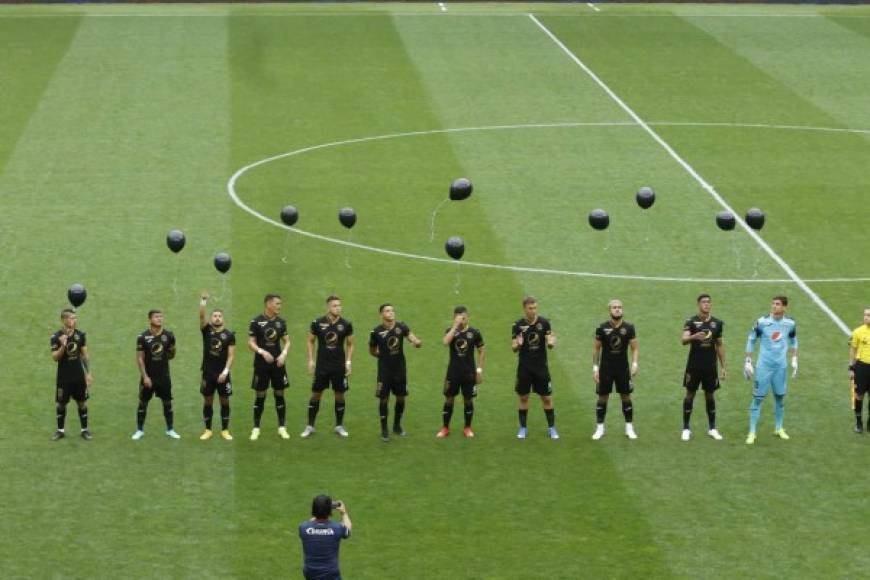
<point x="332" y="297"/>
<point x="270" y="297"/>
<point x="66" y="312"/>
<point x="781" y="298"/>
<point x="705" y="295"/>
<point x="460" y="310"/>
<point x="321" y="507"/>
<point x="221" y="310"/>
<point x="153" y="311"/>
<point x="529" y="300"/>
<point x="382" y="306"/>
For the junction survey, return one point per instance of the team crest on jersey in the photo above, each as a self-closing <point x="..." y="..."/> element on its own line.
<point x="713" y="325"/>
<point x="223" y="336"/>
<point x="776" y="336"/>
<point x="340" y="327"/>
<point x="540" y="326"/>
<point x="398" y="331"/>
<point x="608" y="330"/>
<point x="263" y="323"/>
<point x="468" y="335"/>
<point x="622" y="331"/>
<point x="163" y="338"/>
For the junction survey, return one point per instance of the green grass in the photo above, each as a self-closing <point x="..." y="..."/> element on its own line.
<point x="116" y="127"/>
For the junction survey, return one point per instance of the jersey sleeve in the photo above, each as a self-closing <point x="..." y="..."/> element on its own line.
<point x="84" y="342"/>
<point x="631" y="333"/>
<point x="548" y="330"/>
<point x="753" y="336"/>
<point x="687" y="325"/>
<point x="721" y="329"/>
<point x="515" y="330"/>
<point x="171" y="339"/>
<point x="313" y="328"/>
<point x="349" y="328"/>
<point x="792" y="336"/>
<point x="373" y="341"/>
<point x="54" y="342"/>
<point x="853" y="342"/>
<point x="345" y="533"/>
<point x="478" y="339"/>
<point x="231" y="338"/>
<point x="140" y="343"/>
<point x="599" y="334"/>
<point x="252" y="328"/>
<point x="405" y="328"/>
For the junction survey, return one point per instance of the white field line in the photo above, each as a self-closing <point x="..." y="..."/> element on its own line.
<point x="231" y="189"/>
<point x="593" y="6"/>
<point x="697" y="177"/>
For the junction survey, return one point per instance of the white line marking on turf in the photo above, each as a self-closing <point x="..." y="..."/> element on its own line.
<point x="593" y="6"/>
<point x="697" y="177"/>
<point x="231" y="189"/>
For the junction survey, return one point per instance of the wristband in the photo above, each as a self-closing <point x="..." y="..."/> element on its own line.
<point x="203" y="302"/>
<point x="480" y="370"/>
<point x="594" y="368"/>
<point x="749" y="360"/>
<point x="226" y="371"/>
<point x="347" y="363"/>
<point x="260" y="351"/>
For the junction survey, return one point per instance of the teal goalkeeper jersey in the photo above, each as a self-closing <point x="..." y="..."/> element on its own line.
<point x="776" y="338"/>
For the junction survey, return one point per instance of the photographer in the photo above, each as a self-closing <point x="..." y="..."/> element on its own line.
<point x="321" y="538"/>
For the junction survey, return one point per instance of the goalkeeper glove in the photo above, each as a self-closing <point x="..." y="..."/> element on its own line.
<point x="747" y="369"/>
<point x="794" y="366"/>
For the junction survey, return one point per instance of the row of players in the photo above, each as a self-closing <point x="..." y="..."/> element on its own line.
<point x="532" y="336"/>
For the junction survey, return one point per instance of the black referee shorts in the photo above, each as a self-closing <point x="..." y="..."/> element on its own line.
<point x="862" y="378"/>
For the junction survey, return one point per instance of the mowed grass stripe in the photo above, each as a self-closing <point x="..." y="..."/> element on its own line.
<point x="451" y="487"/>
<point x="125" y="142"/>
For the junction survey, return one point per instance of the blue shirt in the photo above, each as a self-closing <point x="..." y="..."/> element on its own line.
<point x="776" y="337"/>
<point x="320" y="543"/>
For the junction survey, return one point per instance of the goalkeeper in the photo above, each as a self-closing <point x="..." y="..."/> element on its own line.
<point x="778" y="337"/>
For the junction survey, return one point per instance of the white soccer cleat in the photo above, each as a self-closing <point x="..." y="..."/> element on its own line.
<point x="255" y="433"/>
<point x="308" y="432"/>
<point x="685" y="435"/>
<point x="139" y="434"/>
<point x="172" y="434"/>
<point x="714" y="433"/>
<point x="629" y="431"/>
<point x="341" y="431"/>
<point x="282" y="433"/>
<point x="599" y="432"/>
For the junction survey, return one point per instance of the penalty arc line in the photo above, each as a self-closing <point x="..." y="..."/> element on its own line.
<point x="697" y="177"/>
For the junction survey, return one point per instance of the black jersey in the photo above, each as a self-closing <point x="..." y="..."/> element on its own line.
<point x="391" y="354"/>
<point x="215" y="349"/>
<point x="533" y="352"/>
<point x="462" y="351"/>
<point x="268" y="333"/>
<point x="703" y="354"/>
<point x="330" y="343"/>
<point x="614" y="344"/>
<point x="69" y="367"/>
<point x="158" y="349"/>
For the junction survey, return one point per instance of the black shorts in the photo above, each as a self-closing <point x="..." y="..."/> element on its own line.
<point x="325" y="379"/>
<point x="528" y="380"/>
<point x="77" y="391"/>
<point x="862" y="377"/>
<point x="708" y="378"/>
<point x="162" y="389"/>
<point x="210" y="385"/>
<point x="453" y="385"/>
<point x="608" y="378"/>
<point x="273" y="376"/>
<point x="398" y="386"/>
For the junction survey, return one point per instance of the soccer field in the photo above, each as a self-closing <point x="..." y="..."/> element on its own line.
<point x="119" y="123"/>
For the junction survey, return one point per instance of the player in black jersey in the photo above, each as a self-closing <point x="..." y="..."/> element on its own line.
<point x="386" y="343"/>
<point x="704" y="333"/>
<point x="462" y="374"/>
<point x="334" y="337"/>
<point x="155" y="347"/>
<point x="268" y="338"/>
<point x="69" y="349"/>
<point x="531" y="338"/>
<point x="218" y="353"/>
<point x="613" y="339"/>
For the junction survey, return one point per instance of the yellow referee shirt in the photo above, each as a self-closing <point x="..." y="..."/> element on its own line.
<point x="861" y="343"/>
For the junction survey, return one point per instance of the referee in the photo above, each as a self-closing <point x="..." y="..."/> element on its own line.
<point x="859" y="367"/>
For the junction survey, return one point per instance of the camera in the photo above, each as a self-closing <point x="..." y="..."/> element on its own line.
<point x="335" y="505"/>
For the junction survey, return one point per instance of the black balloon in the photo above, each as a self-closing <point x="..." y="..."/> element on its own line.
<point x="77" y="295"/>
<point x="289" y="215"/>
<point x="222" y="262"/>
<point x="755" y="218"/>
<point x="461" y="189"/>
<point x="599" y="219"/>
<point x="645" y="197"/>
<point x="726" y="220"/>
<point x="455" y="247"/>
<point x="175" y="240"/>
<point x="347" y="217"/>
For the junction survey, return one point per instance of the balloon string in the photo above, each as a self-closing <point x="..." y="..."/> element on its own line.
<point x="458" y="285"/>
<point x="347" y="251"/>
<point x="175" y="279"/>
<point x="220" y="296"/>
<point x="286" y="247"/>
<point x="434" y="215"/>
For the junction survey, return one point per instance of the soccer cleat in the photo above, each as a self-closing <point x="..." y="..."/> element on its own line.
<point x="782" y="434"/>
<point x="255" y="433"/>
<point x="442" y="433"/>
<point x="469" y="434"/>
<point x="385" y="436"/>
<point x="309" y="430"/>
<point x="226" y="435"/>
<point x="599" y="432"/>
<point x="139" y="434"/>
<point x="341" y="431"/>
<point x="629" y="431"/>
<point x="714" y="433"/>
<point x="551" y="431"/>
<point x="398" y="431"/>
<point x="206" y="435"/>
<point x="86" y="435"/>
<point x="282" y="433"/>
<point x="172" y="434"/>
<point x="57" y="435"/>
<point x="859" y="428"/>
<point x="523" y="433"/>
<point x="686" y="435"/>
<point x="750" y="439"/>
